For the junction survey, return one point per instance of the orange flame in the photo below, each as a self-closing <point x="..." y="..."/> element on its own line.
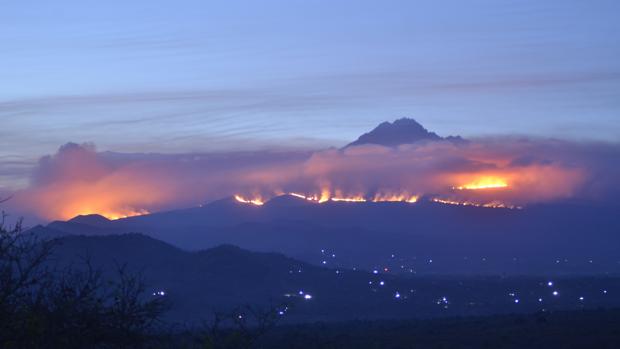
<point x="256" y="201"/>
<point x="349" y="199"/>
<point x="326" y="196"/>
<point x="323" y="197"/>
<point x="486" y="182"/>
<point x="119" y="215"/>
<point x="403" y="197"/>
<point x="492" y="204"/>
<point x="384" y="198"/>
<point x="297" y="195"/>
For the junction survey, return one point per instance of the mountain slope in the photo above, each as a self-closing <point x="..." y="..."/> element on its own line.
<point x="459" y="239"/>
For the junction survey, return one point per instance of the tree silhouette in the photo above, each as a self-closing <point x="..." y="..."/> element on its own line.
<point x="43" y="307"/>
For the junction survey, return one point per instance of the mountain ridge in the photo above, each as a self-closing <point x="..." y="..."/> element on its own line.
<point x="535" y="235"/>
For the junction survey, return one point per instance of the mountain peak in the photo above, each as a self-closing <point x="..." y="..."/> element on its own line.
<point x="401" y="131"/>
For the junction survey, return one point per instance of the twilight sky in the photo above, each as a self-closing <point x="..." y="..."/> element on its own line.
<point x="205" y="76"/>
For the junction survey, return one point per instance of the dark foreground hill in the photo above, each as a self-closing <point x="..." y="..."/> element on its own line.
<point x="222" y="278"/>
<point x="576" y="329"/>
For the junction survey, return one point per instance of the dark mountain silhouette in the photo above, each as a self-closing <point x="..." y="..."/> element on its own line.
<point x="93" y="220"/>
<point x="226" y="276"/>
<point x="84" y="226"/>
<point x="401" y="131"/>
<point x="542" y="239"/>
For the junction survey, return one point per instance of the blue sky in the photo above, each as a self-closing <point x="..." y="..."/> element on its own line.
<point x="201" y="76"/>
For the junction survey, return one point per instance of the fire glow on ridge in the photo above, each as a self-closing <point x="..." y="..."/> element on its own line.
<point x="111" y="215"/>
<point x="325" y="196"/>
<point x="395" y="198"/>
<point x="257" y="202"/>
<point x="127" y="214"/>
<point x="379" y="197"/>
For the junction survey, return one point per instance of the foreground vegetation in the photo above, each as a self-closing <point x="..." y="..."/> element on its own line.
<point x="75" y="307"/>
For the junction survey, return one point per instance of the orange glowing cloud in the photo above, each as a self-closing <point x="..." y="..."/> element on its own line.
<point x="115" y="196"/>
<point x="519" y="184"/>
<point x="78" y="180"/>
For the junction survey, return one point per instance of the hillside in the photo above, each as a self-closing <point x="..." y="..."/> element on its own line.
<point x="224" y="277"/>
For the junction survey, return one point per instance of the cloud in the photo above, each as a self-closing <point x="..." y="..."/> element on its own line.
<point x="80" y="180"/>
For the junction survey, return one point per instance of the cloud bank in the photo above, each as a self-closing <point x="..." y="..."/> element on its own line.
<point x="80" y="180"/>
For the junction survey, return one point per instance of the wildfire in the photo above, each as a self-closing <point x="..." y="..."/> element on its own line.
<point x="492" y="204"/>
<point x="314" y="198"/>
<point x="326" y="196"/>
<point x="301" y="196"/>
<point x="499" y="204"/>
<point x="349" y="199"/>
<point x="484" y="183"/>
<point x="116" y="215"/>
<point x="109" y="214"/>
<point x="384" y="198"/>
<point x="257" y="201"/>
<point x="340" y="196"/>
<point x="395" y="198"/>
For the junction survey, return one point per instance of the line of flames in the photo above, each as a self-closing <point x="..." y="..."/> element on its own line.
<point x="379" y="198"/>
<point x="357" y="198"/>
<point x="325" y="197"/>
<point x="492" y="204"/>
